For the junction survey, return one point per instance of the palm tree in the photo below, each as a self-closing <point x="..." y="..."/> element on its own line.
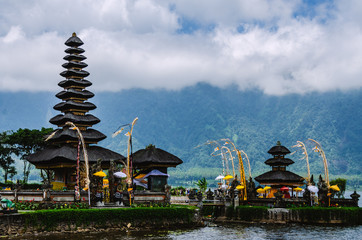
<point x="202" y="184"/>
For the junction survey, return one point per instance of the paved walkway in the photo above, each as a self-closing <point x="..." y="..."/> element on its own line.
<point x="179" y="200"/>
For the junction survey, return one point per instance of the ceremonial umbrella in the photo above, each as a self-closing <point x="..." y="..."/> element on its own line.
<point x="260" y="190"/>
<point x="335" y="188"/>
<point x="219" y="177"/>
<point x="313" y="189"/>
<point x="228" y="177"/>
<point x="284" y="189"/>
<point x="239" y="187"/>
<point x="120" y="174"/>
<point x="100" y="174"/>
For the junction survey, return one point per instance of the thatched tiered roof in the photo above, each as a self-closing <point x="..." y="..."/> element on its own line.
<point x="63" y="151"/>
<point x="279" y="175"/>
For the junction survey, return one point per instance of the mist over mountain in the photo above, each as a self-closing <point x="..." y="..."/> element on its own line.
<point x="178" y="121"/>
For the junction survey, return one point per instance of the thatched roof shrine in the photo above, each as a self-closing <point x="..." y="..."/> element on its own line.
<point x="279" y="176"/>
<point x="154" y="157"/>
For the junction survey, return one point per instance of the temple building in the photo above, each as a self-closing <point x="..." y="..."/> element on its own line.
<point x="152" y="163"/>
<point x="64" y="146"/>
<point x="279" y="176"/>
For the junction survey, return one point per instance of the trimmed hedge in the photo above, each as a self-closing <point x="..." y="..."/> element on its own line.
<point x="25" y="186"/>
<point x="312" y="215"/>
<point x="348" y="215"/>
<point x="49" y="219"/>
<point x="251" y="213"/>
<point x="207" y="210"/>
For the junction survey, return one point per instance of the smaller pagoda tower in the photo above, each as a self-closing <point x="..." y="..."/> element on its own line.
<point x="64" y="149"/>
<point x="279" y="176"/>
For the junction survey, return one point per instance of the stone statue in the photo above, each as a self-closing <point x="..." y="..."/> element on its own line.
<point x="209" y="195"/>
<point x="233" y="185"/>
<point x="112" y="183"/>
<point x="355" y="196"/>
<point x="96" y="183"/>
<point x="199" y="196"/>
<point x="250" y="189"/>
<point x="168" y="194"/>
<point x="323" y="191"/>
<point x="192" y="195"/>
<point x="306" y="195"/>
<point x="279" y="202"/>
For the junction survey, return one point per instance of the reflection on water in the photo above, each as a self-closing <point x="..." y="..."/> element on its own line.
<point x="229" y="232"/>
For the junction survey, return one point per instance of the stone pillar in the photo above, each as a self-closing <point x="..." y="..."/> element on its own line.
<point x="236" y="199"/>
<point x="355" y="197"/>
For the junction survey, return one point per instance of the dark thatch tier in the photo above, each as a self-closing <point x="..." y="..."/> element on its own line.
<point x="73" y="64"/>
<point x="73" y="50"/>
<point x="72" y="57"/>
<point x="74" y="41"/>
<point x="279" y="150"/>
<point x="279" y="161"/>
<point x="279" y="177"/>
<point x="71" y="93"/>
<point x="66" y="154"/>
<point x="74" y="82"/>
<point x="74" y="73"/>
<point x="87" y="119"/>
<point x="152" y="156"/>
<point x="71" y="105"/>
<point x="66" y="134"/>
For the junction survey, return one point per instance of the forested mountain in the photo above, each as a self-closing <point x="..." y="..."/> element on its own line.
<point x="178" y="121"/>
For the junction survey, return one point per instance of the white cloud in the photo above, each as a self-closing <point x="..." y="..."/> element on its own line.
<point x="137" y="44"/>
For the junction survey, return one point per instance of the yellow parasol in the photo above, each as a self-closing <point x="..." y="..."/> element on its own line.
<point x="140" y="176"/>
<point x="266" y="188"/>
<point x="228" y="177"/>
<point x="335" y="188"/>
<point x="239" y="187"/>
<point x="100" y="174"/>
<point x="297" y="189"/>
<point x="260" y="190"/>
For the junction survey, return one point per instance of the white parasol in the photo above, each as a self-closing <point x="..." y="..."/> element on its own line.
<point x="313" y="189"/>
<point x="219" y="177"/>
<point x="120" y="175"/>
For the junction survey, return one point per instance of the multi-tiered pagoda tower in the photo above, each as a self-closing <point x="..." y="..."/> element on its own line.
<point x="62" y="153"/>
<point x="279" y="176"/>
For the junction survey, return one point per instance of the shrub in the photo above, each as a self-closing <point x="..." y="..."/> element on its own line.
<point x="348" y="215"/>
<point x="48" y="219"/>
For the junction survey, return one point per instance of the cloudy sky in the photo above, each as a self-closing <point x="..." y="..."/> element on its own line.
<point x="276" y="46"/>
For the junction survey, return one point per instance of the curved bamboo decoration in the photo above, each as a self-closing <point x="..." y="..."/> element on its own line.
<point x="241" y="165"/>
<point x="80" y="135"/>
<point x="231" y="158"/>
<point x="228" y="141"/>
<point x="247" y="158"/>
<point x="128" y="169"/>
<point x="318" y="148"/>
<point x="225" y="163"/>
<point x="242" y="173"/>
<point x="301" y="145"/>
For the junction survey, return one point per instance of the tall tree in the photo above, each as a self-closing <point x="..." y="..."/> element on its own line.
<point x="26" y="142"/>
<point x="6" y="161"/>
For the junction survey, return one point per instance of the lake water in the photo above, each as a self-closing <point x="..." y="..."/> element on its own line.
<point x="228" y="232"/>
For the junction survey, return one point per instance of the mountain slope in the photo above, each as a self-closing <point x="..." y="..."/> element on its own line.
<point x="178" y="121"/>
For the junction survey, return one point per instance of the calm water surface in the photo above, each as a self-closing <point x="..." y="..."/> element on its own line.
<point x="234" y="231"/>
